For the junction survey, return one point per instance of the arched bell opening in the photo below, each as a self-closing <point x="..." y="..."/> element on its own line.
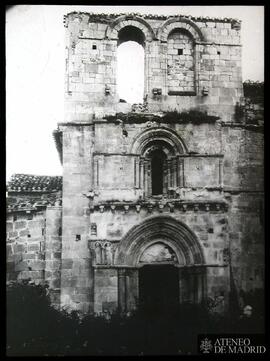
<point x="130" y="64"/>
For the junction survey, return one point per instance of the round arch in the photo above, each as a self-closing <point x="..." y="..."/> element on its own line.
<point x="173" y="233"/>
<point x="168" y="137"/>
<point x="179" y="23"/>
<point x="134" y="21"/>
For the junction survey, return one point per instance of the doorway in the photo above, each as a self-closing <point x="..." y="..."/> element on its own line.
<point x="158" y="289"/>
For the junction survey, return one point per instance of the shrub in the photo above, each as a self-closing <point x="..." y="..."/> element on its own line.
<point x="35" y="328"/>
<point x="254" y="90"/>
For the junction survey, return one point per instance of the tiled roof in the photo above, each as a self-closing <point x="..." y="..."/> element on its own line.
<point x="28" y="203"/>
<point x="34" y="183"/>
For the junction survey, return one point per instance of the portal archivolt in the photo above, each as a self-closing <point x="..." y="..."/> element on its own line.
<point x="174" y="234"/>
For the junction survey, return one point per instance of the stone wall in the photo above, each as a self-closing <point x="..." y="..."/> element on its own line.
<point x="211" y="61"/>
<point x="77" y="180"/>
<point x="26" y="246"/>
<point x="180" y="60"/>
<point x="34" y="242"/>
<point x="53" y="255"/>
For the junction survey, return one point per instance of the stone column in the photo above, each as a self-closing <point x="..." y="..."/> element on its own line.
<point x="182" y="172"/>
<point x="146" y="178"/>
<point x="175" y="172"/>
<point x="136" y="172"/>
<point x="169" y="175"/>
<point x="220" y="168"/>
<point x="142" y="174"/>
<point x="122" y="290"/>
<point x="178" y="171"/>
<point x="147" y="52"/>
<point x="132" y="288"/>
<point x="53" y="247"/>
<point x="149" y="177"/>
<point x="96" y="173"/>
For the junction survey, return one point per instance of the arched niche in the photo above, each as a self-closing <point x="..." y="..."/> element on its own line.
<point x="162" y="229"/>
<point x="181" y="62"/>
<point x="179" y="23"/>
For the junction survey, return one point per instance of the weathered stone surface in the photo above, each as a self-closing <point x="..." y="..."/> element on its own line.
<point x="204" y="202"/>
<point x="20" y="224"/>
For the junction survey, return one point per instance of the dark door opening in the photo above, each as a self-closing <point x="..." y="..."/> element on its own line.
<point x="157" y="162"/>
<point x="158" y="289"/>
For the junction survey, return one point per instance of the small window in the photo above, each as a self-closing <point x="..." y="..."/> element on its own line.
<point x="15" y="217"/>
<point x="180" y="51"/>
<point x="29" y="216"/>
<point x="29" y="235"/>
<point x="78" y="237"/>
<point x="218" y="52"/>
<point x="94" y="47"/>
<point x="60" y="231"/>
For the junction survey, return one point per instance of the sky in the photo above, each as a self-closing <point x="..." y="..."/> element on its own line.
<point x="35" y="64"/>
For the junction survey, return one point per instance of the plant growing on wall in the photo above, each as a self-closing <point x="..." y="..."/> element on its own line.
<point x="192" y="116"/>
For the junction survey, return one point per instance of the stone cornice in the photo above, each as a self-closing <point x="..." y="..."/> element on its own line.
<point x="79" y="123"/>
<point x="106" y="18"/>
<point x="189" y="266"/>
<point x="253" y="127"/>
<point x="35" y="209"/>
<point x="188" y="155"/>
<point x="239" y="190"/>
<point x="161" y="206"/>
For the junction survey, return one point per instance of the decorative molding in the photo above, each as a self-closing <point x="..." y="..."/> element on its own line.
<point x="94" y="17"/>
<point x="120" y="22"/>
<point x="164" y="135"/>
<point x="103" y="250"/>
<point x="175" y="234"/>
<point x="179" y="23"/>
<point x="170" y="205"/>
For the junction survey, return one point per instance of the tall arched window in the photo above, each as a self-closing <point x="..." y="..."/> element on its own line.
<point x="130" y="64"/>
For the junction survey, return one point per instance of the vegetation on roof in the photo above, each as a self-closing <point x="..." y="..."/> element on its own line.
<point x="191" y="116"/>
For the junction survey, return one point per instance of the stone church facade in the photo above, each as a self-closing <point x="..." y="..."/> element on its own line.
<point x="169" y="191"/>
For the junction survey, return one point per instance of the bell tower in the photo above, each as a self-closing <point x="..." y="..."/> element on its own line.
<point x="149" y="184"/>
